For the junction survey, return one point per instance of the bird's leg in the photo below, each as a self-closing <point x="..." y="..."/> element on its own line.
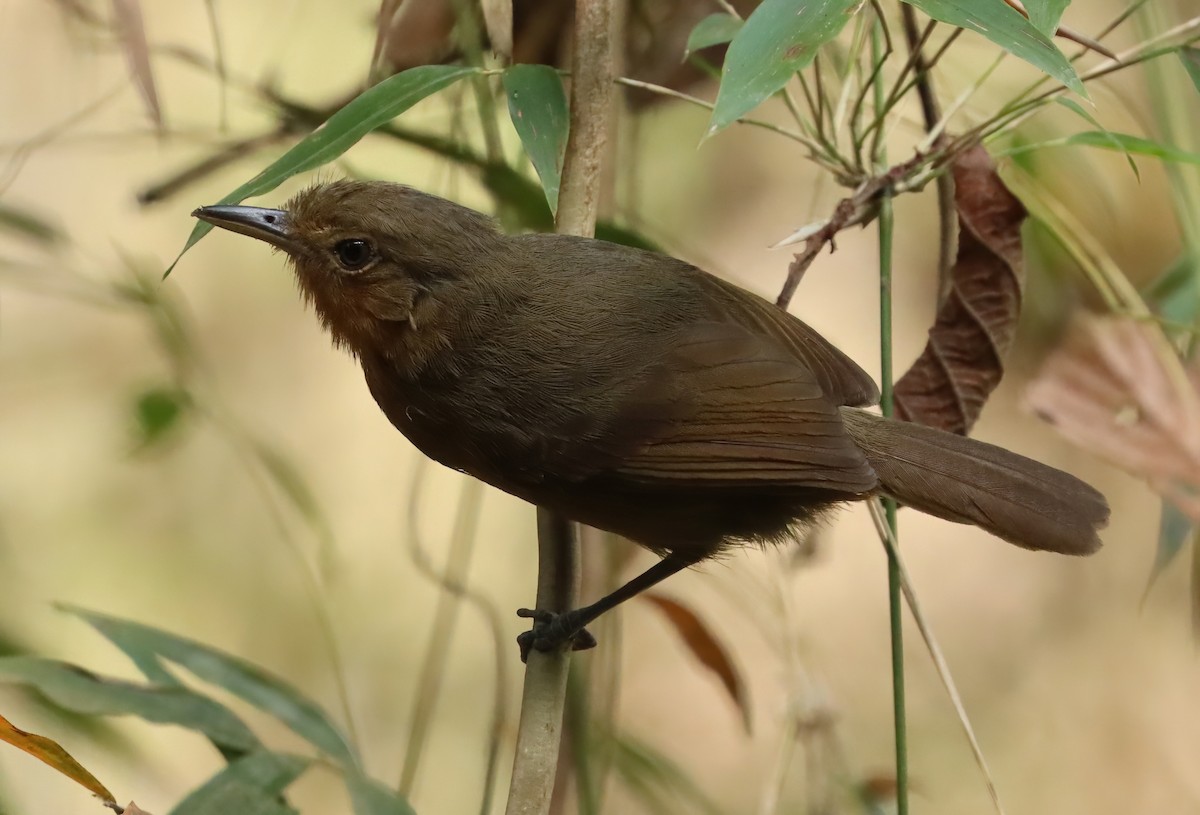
<point x="552" y="631"/>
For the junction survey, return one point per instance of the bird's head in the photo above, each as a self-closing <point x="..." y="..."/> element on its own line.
<point x="366" y="253"/>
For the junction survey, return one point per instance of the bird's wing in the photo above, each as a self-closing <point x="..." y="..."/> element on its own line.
<point x="841" y="379"/>
<point x="722" y="408"/>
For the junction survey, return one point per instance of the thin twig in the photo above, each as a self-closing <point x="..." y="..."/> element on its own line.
<point x="812" y="145"/>
<point x="931" y="113"/>
<point x="1067" y="33"/>
<point x="1187" y="33"/>
<point x="858" y="208"/>
<point x="454" y="585"/>
<point x="470" y="36"/>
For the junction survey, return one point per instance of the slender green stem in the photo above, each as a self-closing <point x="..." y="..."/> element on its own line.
<point x="471" y="39"/>
<point x="445" y="617"/>
<point x="886" y="232"/>
<point x="579" y="719"/>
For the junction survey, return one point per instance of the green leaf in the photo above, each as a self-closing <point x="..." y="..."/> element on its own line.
<point x="1046" y="14"/>
<point x="779" y="38"/>
<point x="252" y="785"/>
<point x="369" y="797"/>
<point x="538" y="108"/>
<point x="287" y="478"/>
<point x="374" y="107"/>
<point x="654" y="777"/>
<point x="1079" y="110"/>
<point x="529" y="205"/>
<point x="30" y="226"/>
<point x="1109" y="140"/>
<point x="1190" y="57"/>
<point x="1175" y="294"/>
<point x="614" y="233"/>
<point x="525" y="199"/>
<point x="1175" y="530"/>
<point x="241" y="678"/>
<point x="714" y="29"/>
<point x="1007" y="28"/>
<point x="82" y="691"/>
<point x="158" y="411"/>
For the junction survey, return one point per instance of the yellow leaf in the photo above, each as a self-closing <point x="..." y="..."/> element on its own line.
<point x="50" y="752"/>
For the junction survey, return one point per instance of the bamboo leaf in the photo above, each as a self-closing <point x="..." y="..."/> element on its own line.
<point x="374" y="107"/>
<point x="287" y="478"/>
<point x="51" y="753"/>
<point x="1175" y="529"/>
<point x="158" y="411"/>
<point x="30" y="226"/>
<point x="1079" y="110"/>
<point x="82" y="691"/>
<point x="538" y="108"/>
<point x="705" y="647"/>
<point x="252" y="785"/>
<point x="1007" y="28"/>
<point x="715" y="29"/>
<point x="964" y="359"/>
<point x="1175" y="294"/>
<point x="369" y="797"/>
<point x="780" y="38"/>
<point x="654" y="777"/>
<point x="132" y="33"/>
<point x="1108" y="140"/>
<point x="1190" y="57"/>
<point x="1046" y="14"/>
<point x="241" y="678"/>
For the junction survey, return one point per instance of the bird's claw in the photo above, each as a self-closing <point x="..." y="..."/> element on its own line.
<point x="552" y="631"/>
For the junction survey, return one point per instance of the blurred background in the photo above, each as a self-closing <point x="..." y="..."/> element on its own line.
<point x="1083" y="696"/>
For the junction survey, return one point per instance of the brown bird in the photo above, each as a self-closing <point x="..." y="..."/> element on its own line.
<point x="627" y="390"/>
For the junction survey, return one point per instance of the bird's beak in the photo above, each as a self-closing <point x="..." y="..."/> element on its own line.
<point x="270" y="225"/>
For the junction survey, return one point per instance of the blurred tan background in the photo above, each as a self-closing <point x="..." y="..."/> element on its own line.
<point x="1083" y="700"/>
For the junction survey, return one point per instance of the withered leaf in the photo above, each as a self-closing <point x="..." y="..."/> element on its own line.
<point x="51" y="752"/>
<point x="420" y="32"/>
<point x="132" y="32"/>
<point x="705" y="647"/>
<point x="1116" y="389"/>
<point x="407" y="34"/>
<point x="964" y="359"/>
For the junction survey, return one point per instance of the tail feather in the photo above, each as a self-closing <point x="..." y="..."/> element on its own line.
<point x="1015" y="498"/>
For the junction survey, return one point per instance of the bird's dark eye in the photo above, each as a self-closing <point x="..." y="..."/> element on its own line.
<point x="353" y="254"/>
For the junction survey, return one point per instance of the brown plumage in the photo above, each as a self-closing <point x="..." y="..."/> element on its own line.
<point x="628" y="390"/>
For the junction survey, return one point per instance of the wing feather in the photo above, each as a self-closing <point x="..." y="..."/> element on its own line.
<point x="742" y="413"/>
<point x="840" y="377"/>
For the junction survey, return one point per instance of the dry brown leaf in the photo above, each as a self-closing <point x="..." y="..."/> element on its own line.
<point x="705" y="647"/>
<point x="50" y="752"/>
<point x="1116" y="389"/>
<point x="964" y="359"/>
<point x="419" y="32"/>
<point x="132" y="32"/>
<point x="410" y="33"/>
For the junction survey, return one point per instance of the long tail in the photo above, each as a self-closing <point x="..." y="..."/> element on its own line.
<point x="1015" y="498"/>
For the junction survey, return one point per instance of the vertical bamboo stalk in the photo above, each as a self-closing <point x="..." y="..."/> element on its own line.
<point x="540" y="730"/>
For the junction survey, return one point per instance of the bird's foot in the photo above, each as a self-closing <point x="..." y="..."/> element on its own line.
<point x="552" y="631"/>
